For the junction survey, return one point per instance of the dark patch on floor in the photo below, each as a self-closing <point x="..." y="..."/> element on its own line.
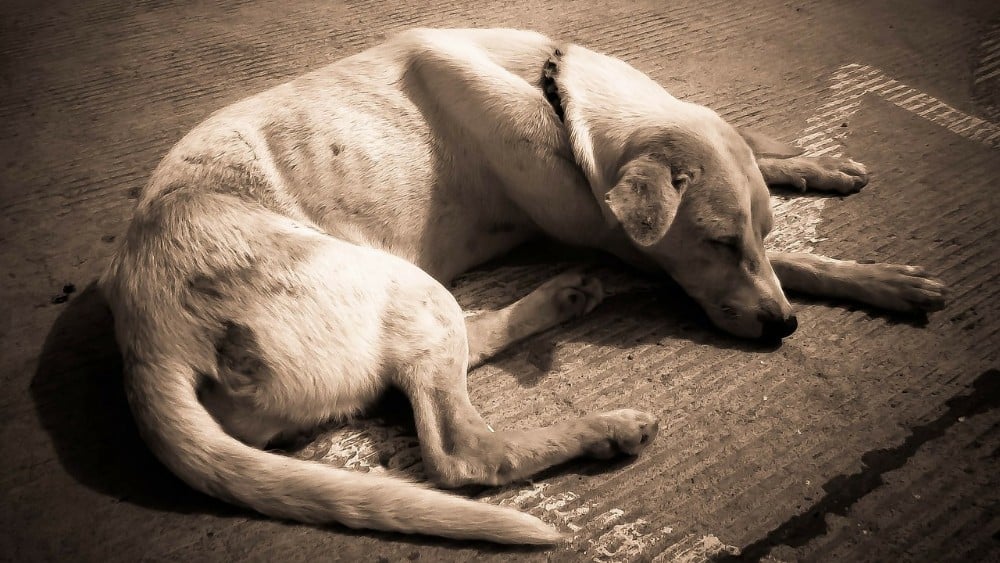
<point x="843" y="491"/>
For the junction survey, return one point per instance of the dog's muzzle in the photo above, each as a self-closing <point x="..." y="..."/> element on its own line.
<point x="776" y="329"/>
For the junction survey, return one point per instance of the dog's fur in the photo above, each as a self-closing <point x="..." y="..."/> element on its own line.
<point x="286" y="260"/>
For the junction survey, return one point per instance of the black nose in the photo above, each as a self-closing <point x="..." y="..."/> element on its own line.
<point x="776" y="329"/>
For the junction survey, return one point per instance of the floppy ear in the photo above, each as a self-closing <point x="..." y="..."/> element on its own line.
<point x="765" y="146"/>
<point x="645" y="200"/>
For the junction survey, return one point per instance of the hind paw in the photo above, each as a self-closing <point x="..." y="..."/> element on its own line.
<point x="570" y="295"/>
<point x="623" y="431"/>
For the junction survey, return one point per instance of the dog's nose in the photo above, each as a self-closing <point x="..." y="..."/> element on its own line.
<point x="776" y="329"/>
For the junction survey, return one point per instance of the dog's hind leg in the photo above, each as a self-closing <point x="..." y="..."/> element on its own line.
<point x="459" y="448"/>
<point x="893" y="287"/>
<point x="564" y="297"/>
<point x="430" y="357"/>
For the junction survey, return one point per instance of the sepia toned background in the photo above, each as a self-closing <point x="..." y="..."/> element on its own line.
<point x="863" y="437"/>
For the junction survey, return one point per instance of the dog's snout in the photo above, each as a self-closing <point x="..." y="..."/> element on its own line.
<point x="776" y="329"/>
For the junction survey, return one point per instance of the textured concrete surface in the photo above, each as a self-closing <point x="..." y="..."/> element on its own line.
<point x="864" y="437"/>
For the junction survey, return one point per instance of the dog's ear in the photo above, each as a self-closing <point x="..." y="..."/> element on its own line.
<point x="646" y="198"/>
<point x="768" y="147"/>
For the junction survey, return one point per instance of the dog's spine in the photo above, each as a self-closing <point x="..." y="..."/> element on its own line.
<point x="186" y="438"/>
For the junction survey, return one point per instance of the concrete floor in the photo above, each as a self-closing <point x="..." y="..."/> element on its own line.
<point x="864" y="437"/>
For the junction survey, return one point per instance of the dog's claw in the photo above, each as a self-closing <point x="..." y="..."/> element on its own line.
<point x="860" y="182"/>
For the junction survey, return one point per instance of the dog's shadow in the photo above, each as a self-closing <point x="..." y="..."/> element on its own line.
<point x="654" y="310"/>
<point x="643" y="309"/>
<point x="80" y="400"/>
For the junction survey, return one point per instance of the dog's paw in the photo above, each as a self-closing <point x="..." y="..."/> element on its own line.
<point x="895" y="287"/>
<point x="829" y="174"/>
<point x="623" y="431"/>
<point x="571" y="294"/>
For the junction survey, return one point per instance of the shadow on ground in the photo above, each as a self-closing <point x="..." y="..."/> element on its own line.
<point x="80" y="401"/>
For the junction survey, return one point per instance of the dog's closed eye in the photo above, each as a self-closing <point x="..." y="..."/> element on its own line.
<point x="728" y="245"/>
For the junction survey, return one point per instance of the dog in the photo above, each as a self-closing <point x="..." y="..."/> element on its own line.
<point x="287" y="262"/>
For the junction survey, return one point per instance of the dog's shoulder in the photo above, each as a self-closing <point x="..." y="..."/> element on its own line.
<point x="520" y="52"/>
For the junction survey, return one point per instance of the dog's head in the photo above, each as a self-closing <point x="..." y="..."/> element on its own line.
<point x="684" y="187"/>
<point x="693" y="201"/>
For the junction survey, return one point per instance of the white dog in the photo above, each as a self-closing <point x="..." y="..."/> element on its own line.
<point x="286" y="260"/>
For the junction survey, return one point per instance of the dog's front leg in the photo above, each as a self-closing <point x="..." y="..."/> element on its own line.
<point x="824" y="173"/>
<point x="893" y="287"/>
<point x="782" y="164"/>
<point x="562" y="298"/>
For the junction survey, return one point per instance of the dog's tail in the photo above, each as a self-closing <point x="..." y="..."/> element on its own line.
<point x="187" y="439"/>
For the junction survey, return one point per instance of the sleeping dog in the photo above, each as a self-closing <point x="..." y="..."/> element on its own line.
<point x="288" y="262"/>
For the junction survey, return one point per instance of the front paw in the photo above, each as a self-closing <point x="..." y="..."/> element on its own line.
<point x="623" y="431"/>
<point x="830" y="174"/>
<point x="895" y="287"/>
<point x="570" y="295"/>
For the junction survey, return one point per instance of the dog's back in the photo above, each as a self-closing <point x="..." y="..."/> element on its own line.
<point x="366" y="151"/>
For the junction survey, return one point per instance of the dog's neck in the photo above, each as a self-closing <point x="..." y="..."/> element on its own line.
<point x="606" y="106"/>
<point x="594" y="97"/>
<point x="601" y="101"/>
